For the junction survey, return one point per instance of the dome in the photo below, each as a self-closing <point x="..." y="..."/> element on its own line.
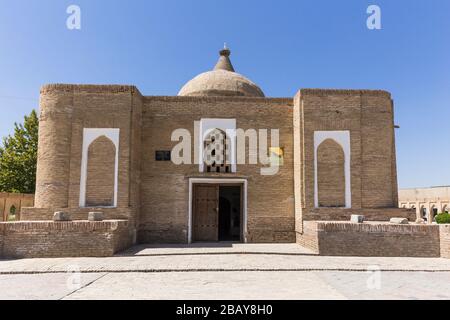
<point x="222" y="81"/>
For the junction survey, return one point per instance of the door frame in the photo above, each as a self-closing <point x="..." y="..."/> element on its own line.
<point x="242" y="182"/>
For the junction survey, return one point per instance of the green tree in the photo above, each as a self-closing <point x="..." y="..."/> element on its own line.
<point x="18" y="157"/>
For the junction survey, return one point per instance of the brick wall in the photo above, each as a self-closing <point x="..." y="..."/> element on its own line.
<point x="445" y="240"/>
<point x="298" y="158"/>
<point x="343" y="214"/>
<point x="37" y="214"/>
<point x="65" y="110"/>
<point x="64" y="239"/>
<point x="371" y="239"/>
<point x="309" y="237"/>
<point x="165" y="186"/>
<point x="368" y="115"/>
<point x="53" y="166"/>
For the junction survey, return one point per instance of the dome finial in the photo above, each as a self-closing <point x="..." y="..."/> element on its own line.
<point x="224" y="62"/>
<point x="225" y="51"/>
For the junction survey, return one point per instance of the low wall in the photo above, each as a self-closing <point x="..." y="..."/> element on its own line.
<point x="371" y="239"/>
<point x="445" y="240"/>
<point x="343" y="214"/>
<point x="309" y="238"/>
<point x="45" y="214"/>
<point x="64" y="239"/>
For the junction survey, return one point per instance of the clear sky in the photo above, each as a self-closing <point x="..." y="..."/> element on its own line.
<point x="281" y="45"/>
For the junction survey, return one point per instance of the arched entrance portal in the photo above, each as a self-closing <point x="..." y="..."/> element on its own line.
<point x="229" y="213"/>
<point x="217" y="212"/>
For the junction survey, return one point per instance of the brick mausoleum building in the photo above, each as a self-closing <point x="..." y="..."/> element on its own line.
<point x="107" y="148"/>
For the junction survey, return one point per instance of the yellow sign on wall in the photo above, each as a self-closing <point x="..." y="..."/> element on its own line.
<point x="276" y="156"/>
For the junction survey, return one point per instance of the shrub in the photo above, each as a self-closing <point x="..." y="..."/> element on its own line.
<point x="443" y="218"/>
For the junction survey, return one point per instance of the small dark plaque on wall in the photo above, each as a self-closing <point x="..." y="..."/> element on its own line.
<point x="162" y="156"/>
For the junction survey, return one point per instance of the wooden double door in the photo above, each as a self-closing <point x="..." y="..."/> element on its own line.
<point x="209" y="213"/>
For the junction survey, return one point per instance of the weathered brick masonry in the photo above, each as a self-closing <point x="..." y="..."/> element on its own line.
<point x="445" y="240"/>
<point x="38" y="214"/>
<point x="65" y="110"/>
<point x="164" y="185"/>
<point x="341" y="214"/>
<point x="375" y="239"/>
<point x="63" y="239"/>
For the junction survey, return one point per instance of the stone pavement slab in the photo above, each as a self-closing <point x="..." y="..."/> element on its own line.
<point x="218" y="248"/>
<point x="209" y="286"/>
<point x="244" y="258"/>
<point x="392" y="285"/>
<point x="228" y="262"/>
<point x="277" y="285"/>
<point x="42" y="286"/>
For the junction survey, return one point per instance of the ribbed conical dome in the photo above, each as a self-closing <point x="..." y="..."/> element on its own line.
<point x="222" y="81"/>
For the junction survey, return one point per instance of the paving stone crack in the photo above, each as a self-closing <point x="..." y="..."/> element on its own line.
<point x="82" y="287"/>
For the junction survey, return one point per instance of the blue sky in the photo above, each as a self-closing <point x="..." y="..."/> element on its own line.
<point x="280" y="45"/>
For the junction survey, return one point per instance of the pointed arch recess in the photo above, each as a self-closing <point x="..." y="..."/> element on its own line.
<point x="331" y="174"/>
<point x="105" y="138"/>
<point x="343" y="139"/>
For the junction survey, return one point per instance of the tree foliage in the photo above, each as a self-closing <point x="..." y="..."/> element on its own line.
<point x="18" y="157"/>
<point x="443" y="218"/>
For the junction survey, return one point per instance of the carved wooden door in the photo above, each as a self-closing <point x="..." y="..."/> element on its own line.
<point x="206" y="213"/>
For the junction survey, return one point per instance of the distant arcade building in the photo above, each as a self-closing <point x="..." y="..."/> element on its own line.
<point x="427" y="202"/>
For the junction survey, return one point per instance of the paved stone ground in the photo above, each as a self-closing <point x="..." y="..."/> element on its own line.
<point x="227" y="285"/>
<point x="225" y="271"/>
<point x="218" y="248"/>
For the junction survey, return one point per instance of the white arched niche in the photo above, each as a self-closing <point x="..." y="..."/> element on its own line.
<point x="89" y="136"/>
<point x="343" y="139"/>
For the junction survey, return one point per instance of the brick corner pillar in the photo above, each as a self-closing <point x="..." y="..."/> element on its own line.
<point x="55" y="131"/>
<point x="394" y="160"/>
<point x="298" y="164"/>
